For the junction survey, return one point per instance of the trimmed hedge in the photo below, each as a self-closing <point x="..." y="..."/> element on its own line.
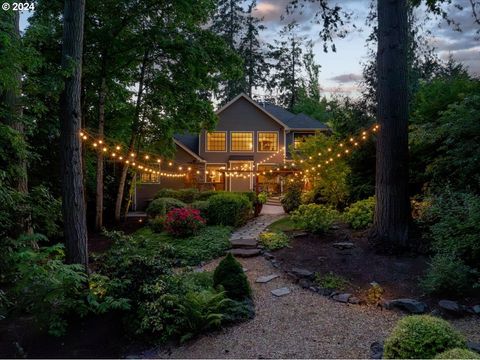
<point x="161" y="206"/>
<point x="229" y="209"/>
<point x="421" y="337"/>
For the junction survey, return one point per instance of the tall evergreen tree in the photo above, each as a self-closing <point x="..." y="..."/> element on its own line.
<point x="73" y="205"/>
<point x="286" y="54"/>
<point x="229" y="23"/>
<point x="255" y="66"/>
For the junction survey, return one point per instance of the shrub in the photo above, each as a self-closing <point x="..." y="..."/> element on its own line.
<point x="448" y="275"/>
<point x="274" y="240"/>
<point x="375" y="294"/>
<point x="421" y="337"/>
<point x="262" y="197"/>
<point x="230" y="276"/>
<point x="292" y="198"/>
<point x="359" y="215"/>
<point x="229" y="209"/>
<point x="166" y="193"/>
<point x="314" y="218"/>
<point x="331" y="281"/>
<point x="188" y="195"/>
<point x="184" y="222"/>
<point x="157" y="224"/>
<point x="162" y="206"/>
<point x="458" y="353"/>
<point x="202" y="206"/>
<point x="205" y="195"/>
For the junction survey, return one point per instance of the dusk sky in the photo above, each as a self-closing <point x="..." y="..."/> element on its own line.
<point x="341" y="70"/>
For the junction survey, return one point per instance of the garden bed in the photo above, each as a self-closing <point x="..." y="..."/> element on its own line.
<point x="360" y="265"/>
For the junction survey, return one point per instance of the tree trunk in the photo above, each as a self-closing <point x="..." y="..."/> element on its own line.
<point x="101" y="125"/>
<point x="73" y="204"/>
<point x="131" y="146"/>
<point x="392" y="210"/>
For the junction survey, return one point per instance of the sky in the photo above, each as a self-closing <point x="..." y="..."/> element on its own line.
<point x="341" y="71"/>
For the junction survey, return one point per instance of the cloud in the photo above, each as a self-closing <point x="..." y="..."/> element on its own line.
<point x="347" y="78"/>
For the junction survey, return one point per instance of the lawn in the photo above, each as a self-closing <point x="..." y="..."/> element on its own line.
<point x="284" y="224"/>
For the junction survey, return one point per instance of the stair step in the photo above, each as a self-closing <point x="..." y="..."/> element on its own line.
<point x="244" y="252"/>
<point x="244" y="243"/>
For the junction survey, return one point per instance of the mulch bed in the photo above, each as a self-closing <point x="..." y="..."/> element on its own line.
<point x="397" y="275"/>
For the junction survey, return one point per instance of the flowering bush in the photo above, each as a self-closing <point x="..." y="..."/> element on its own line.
<point x="184" y="221"/>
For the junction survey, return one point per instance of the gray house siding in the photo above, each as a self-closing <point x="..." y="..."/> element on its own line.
<point x="242" y="115"/>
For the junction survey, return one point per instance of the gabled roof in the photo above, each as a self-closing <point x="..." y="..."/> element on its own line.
<point x="294" y="121"/>
<point x="189" y="143"/>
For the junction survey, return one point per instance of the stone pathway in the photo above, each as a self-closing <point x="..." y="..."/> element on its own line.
<point x="254" y="227"/>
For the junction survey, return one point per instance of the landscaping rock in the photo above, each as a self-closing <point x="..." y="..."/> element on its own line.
<point x="299" y="233"/>
<point x="473" y="346"/>
<point x="342" y="297"/>
<point x="268" y="256"/>
<point x="324" y="292"/>
<point x="452" y="307"/>
<point x="302" y="273"/>
<point x="281" y="291"/>
<point x="410" y="305"/>
<point x="304" y="283"/>
<point x="244" y="243"/>
<point x="267" y="278"/>
<point x="245" y="252"/>
<point x="244" y="269"/>
<point x="376" y="350"/>
<point x="476" y="309"/>
<point x="343" y="245"/>
<point x="354" y="300"/>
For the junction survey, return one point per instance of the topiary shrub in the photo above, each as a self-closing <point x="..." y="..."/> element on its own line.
<point x="359" y="215"/>
<point x="421" y="337"/>
<point x="229" y="209"/>
<point x="458" y="353"/>
<point x="184" y="222"/>
<point x="292" y="198"/>
<point x="162" y="206"/>
<point x="230" y="276"/>
<point x="202" y="206"/>
<point x="156" y="208"/>
<point x="273" y="240"/>
<point x="314" y="218"/>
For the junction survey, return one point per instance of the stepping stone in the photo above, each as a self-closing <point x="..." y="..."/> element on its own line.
<point x="342" y="297"/>
<point x="267" y="278"/>
<point x="244" y="243"/>
<point x="343" y="245"/>
<point x="281" y="291"/>
<point x="302" y="273"/>
<point x="244" y="252"/>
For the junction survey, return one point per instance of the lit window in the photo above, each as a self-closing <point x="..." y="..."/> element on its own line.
<point x="267" y="141"/>
<point x="242" y="141"/>
<point x="216" y="141"/>
<point x="299" y="139"/>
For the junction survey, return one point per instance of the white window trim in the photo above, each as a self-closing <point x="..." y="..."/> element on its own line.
<point x="216" y="151"/>
<point x="268" y="131"/>
<point x="242" y="151"/>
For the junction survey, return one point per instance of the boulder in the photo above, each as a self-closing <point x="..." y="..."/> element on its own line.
<point x="476" y="309"/>
<point x="302" y="273"/>
<point x="410" y="305"/>
<point x="376" y="350"/>
<point x="344" y="245"/>
<point x="450" y="306"/>
<point x="342" y="297"/>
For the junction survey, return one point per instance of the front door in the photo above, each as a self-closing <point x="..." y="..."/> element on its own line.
<point x="241" y="177"/>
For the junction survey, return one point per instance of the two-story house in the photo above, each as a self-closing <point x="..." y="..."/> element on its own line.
<point x="250" y="139"/>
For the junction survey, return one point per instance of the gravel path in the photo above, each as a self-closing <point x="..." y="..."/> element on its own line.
<point x="299" y="325"/>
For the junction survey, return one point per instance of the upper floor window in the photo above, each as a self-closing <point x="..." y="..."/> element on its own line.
<point x="241" y="141"/>
<point x="217" y="141"/>
<point x="267" y="141"/>
<point x="299" y="139"/>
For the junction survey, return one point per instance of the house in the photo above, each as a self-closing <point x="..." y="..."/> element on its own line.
<point x="242" y="153"/>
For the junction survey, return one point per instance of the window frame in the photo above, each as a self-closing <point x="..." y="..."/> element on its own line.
<point x="268" y="132"/>
<point x="225" y="142"/>
<point x="242" y="151"/>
